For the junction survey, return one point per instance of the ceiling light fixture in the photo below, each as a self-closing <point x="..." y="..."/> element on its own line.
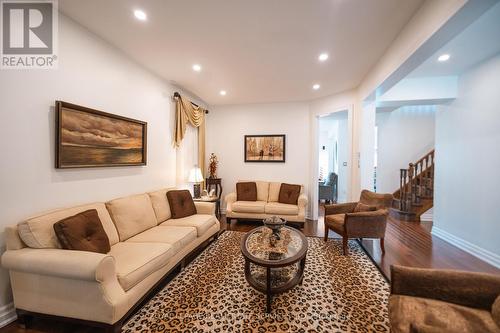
<point x="316" y="86"/>
<point x="323" y="57"/>
<point x="196" y="68"/>
<point x="223" y="93"/>
<point x="140" y="15"/>
<point x="444" y="57"/>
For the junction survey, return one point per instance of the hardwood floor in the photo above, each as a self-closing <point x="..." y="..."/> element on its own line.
<point x="406" y="243"/>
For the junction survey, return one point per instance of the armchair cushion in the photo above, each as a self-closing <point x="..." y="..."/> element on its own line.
<point x="369" y="224"/>
<point x="181" y="203"/>
<point x="361" y="207"/>
<point x="495" y="311"/>
<point x="376" y="199"/>
<point x="336" y="223"/>
<point x="82" y="232"/>
<point x="289" y="194"/>
<point x="246" y="191"/>
<point x="415" y="314"/>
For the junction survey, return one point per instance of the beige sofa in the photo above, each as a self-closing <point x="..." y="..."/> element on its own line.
<point x="102" y="289"/>
<point x="267" y="205"/>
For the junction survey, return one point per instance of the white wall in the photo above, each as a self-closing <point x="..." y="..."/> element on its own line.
<point x="467" y="184"/>
<point x="227" y="126"/>
<point x="404" y="136"/>
<point x="93" y="74"/>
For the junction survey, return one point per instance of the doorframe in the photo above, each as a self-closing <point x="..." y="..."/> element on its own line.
<point x="313" y="181"/>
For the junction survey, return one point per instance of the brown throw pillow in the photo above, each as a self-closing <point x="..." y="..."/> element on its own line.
<point x="246" y="191"/>
<point x="181" y="203"/>
<point x="361" y="207"/>
<point x="82" y="232"/>
<point x="289" y="194"/>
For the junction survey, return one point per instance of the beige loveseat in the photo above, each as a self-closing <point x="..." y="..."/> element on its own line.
<point x="146" y="244"/>
<point x="267" y="205"/>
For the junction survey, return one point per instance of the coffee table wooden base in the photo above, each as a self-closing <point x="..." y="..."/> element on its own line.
<point x="268" y="289"/>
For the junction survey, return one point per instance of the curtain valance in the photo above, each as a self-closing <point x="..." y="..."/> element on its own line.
<point x="186" y="112"/>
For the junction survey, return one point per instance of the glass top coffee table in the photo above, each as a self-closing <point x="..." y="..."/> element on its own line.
<point x="274" y="264"/>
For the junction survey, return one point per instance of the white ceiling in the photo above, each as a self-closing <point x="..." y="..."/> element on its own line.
<point x="259" y="51"/>
<point x="478" y="42"/>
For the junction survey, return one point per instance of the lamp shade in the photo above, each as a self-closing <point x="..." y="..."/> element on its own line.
<point x="195" y="175"/>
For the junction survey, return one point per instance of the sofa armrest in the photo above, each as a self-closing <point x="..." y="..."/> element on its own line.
<point x="302" y="201"/>
<point x="366" y="224"/>
<point x="79" y="265"/>
<point x="342" y="208"/>
<point x="205" y="207"/>
<point x="230" y="199"/>
<point x="478" y="290"/>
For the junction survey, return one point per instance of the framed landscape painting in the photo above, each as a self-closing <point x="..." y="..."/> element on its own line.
<point x="91" y="138"/>
<point x="265" y="148"/>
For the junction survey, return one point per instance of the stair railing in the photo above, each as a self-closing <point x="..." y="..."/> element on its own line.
<point x="416" y="182"/>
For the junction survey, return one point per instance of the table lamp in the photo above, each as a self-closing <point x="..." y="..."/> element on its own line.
<point x="196" y="177"/>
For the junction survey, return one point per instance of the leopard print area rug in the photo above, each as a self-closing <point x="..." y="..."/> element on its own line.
<point x="338" y="294"/>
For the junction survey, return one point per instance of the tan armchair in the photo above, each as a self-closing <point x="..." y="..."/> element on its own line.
<point x="343" y="219"/>
<point x="437" y="300"/>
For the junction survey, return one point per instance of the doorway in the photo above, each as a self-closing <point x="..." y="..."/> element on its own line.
<point x="333" y="158"/>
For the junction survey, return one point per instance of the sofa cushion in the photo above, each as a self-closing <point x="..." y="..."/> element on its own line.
<point x="82" y="232"/>
<point x="160" y="204"/>
<point x="136" y="261"/>
<point x="176" y="236"/>
<point x="361" y="207"/>
<point x="405" y="311"/>
<point x="201" y="222"/>
<point x="262" y="190"/>
<point x="281" y="209"/>
<point x="132" y="215"/>
<point x="38" y="232"/>
<point x="274" y="191"/>
<point x="289" y="194"/>
<point x="246" y="191"/>
<point x="249" y="206"/>
<point x="181" y="203"/>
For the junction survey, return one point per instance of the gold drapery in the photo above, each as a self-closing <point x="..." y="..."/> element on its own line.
<point x="185" y="112"/>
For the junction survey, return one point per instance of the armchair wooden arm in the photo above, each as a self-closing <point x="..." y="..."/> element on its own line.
<point x="478" y="290"/>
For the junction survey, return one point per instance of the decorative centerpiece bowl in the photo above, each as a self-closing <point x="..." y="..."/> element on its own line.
<point x="275" y="224"/>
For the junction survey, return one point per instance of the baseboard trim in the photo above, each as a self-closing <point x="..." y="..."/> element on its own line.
<point x="485" y="255"/>
<point x="426" y="217"/>
<point x="7" y="314"/>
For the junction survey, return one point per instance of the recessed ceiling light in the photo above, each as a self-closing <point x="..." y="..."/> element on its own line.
<point x="316" y="86"/>
<point x="140" y="15"/>
<point x="196" y="68"/>
<point x="222" y="93"/>
<point x="444" y="57"/>
<point x="323" y="57"/>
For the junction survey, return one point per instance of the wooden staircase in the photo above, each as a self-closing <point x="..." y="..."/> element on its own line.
<point x="416" y="189"/>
